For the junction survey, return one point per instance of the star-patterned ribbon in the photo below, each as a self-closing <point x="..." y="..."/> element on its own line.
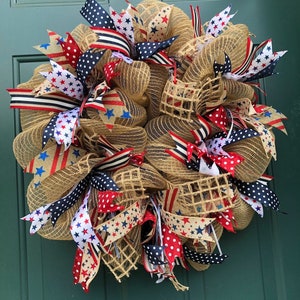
<point x="121" y="224"/>
<point x="254" y="204"/>
<point x="54" y="49"/>
<point x="38" y="218"/>
<point x="218" y="22"/>
<point x="81" y="226"/>
<point x="52" y="160"/>
<point x="123" y="24"/>
<point x="158" y="25"/>
<point x="64" y="80"/>
<point x="185" y="226"/>
<point x="270" y="116"/>
<point x="65" y="127"/>
<point x="260" y="63"/>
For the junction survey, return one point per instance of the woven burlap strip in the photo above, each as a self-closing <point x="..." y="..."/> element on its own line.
<point x="28" y="143"/>
<point x="242" y="212"/>
<point x="132" y="177"/>
<point x="120" y="136"/>
<point x="233" y="43"/>
<point x="124" y="258"/>
<point x="133" y="79"/>
<point x="255" y="160"/>
<point x="203" y="196"/>
<point x="158" y="78"/>
<point x="201" y="249"/>
<point x="184" y="100"/>
<point x="236" y="90"/>
<point x="84" y="36"/>
<point x="55" y="187"/>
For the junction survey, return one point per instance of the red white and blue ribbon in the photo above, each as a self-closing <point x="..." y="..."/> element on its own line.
<point x="219" y="21"/>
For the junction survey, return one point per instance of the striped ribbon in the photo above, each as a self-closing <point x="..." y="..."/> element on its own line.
<point x="110" y="39"/>
<point x="25" y="99"/>
<point x="196" y="20"/>
<point x="116" y="161"/>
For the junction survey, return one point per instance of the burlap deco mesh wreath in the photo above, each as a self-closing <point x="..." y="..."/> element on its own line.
<point x="145" y="138"/>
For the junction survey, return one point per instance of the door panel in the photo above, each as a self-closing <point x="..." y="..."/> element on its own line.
<point x="262" y="260"/>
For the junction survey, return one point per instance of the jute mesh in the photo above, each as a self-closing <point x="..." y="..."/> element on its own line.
<point x="28" y="143"/>
<point x="122" y="261"/>
<point x="242" y="213"/>
<point x="158" y="78"/>
<point x="233" y="44"/>
<point x="53" y="188"/>
<point x="129" y="137"/>
<point x="236" y="90"/>
<point x="158" y="129"/>
<point x="30" y="118"/>
<point x="162" y="161"/>
<point x="179" y="23"/>
<point x="137" y="111"/>
<point x="210" y="247"/>
<point x="203" y="196"/>
<point x="184" y="100"/>
<point x="133" y="79"/>
<point x="255" y="159"/>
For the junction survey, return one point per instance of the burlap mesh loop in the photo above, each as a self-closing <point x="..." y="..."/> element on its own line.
<point x="158" y="129"/>
<point x="242" y="213"/>
<point x="30" y="118"/>
<point x="28" y="143"/>
<point x="203" y="196"/>
<point x="120" y="136"/>
<point x="162" y="161"/>
<point x="233" y="44"/>
<point x="236" y="90"/>
<point x="188" y="51"/>
<point x="137" y="111"/>
<point x="158" y="78"/>
<point x="255" y="159"/>
<point x="136" y="88"/>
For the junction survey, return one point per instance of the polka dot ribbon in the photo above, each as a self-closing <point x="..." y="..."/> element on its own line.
<point x="258" y="191"/>
<point x="204" y="258"/>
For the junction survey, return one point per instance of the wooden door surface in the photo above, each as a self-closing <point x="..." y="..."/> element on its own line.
<point x="263" y="259"/>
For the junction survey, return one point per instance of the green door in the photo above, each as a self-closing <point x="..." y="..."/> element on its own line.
<point x="263" y="259"/>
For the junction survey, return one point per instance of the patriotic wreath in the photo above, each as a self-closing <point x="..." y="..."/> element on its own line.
<point x="146" y="138"/>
